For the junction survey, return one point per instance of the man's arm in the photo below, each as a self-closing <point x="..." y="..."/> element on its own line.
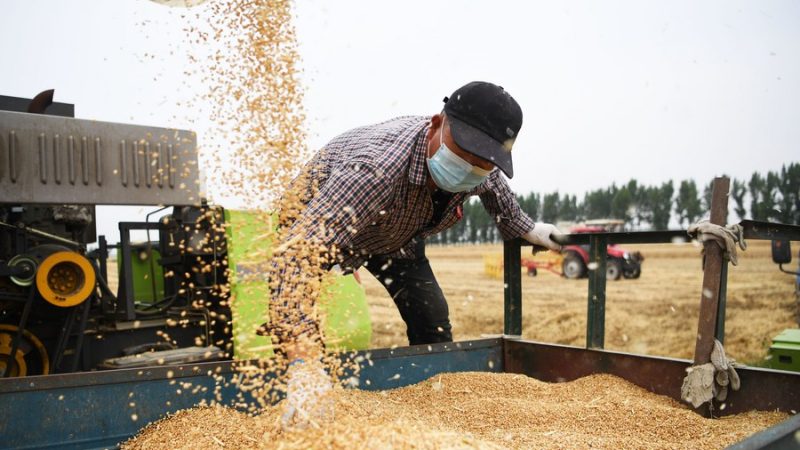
<point x="501" y="203"/>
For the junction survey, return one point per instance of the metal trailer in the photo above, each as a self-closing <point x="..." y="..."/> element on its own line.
<point x="93" y="410"/>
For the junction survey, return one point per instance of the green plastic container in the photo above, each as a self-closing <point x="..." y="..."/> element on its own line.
<point x="785" y="351"/>
<point x="345" y="315"/>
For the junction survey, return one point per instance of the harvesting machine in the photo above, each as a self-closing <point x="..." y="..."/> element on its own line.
<point x="59" y="311"/>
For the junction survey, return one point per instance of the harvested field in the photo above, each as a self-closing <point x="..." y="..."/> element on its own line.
<point x="656" y="314"/>
<point x="471" y="410"/>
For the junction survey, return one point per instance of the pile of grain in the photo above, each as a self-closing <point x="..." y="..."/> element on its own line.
<point x="471" y="410"/>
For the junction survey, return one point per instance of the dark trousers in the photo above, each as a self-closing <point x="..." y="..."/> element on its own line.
<point x="417" y="294"/>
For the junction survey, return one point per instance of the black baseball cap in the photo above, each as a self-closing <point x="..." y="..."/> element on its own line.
<point x="485" y="120"/>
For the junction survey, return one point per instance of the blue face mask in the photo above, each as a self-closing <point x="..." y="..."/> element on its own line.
<point x="451" y="173"/>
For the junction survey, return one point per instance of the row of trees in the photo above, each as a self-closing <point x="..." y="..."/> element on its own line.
<point x="772" y="197"/>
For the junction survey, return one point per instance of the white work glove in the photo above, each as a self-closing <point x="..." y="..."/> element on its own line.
<point x="540" y="236"/>
<point x="308" y="399"/>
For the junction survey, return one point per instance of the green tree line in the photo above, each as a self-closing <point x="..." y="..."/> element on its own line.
<point x="774" y="196"/>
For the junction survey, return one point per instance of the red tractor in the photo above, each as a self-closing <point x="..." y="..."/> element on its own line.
<point x="620" y="262"/>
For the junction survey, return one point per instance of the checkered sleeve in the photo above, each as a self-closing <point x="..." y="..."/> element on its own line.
<point x="352" y="194"/>
<point x="501" y="203"/>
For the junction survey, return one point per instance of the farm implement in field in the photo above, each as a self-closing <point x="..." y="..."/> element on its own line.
<point x="619" y="263"/>
<point x="573" y="262"/>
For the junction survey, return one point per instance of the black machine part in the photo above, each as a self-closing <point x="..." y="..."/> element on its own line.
<point x="782" y="254"/>
<point x="186" y="355"/>
<point x="42" y="103"/>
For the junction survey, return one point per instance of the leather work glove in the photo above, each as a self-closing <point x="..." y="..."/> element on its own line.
<point x="725" y="375"/>
<point x="726" y="236"/>
<point x="540" y="236"/>
<point x="712" y="379"/>
<point x="308" y="400"/>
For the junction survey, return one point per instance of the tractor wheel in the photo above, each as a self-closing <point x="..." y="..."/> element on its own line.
<point x="573" y="266"/>
<point x="613" y="269"/>
<point x="633" y="272"/>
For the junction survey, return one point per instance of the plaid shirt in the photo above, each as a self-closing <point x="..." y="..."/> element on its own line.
<point x="366" y="194"/>
<point x="372" y="192"/>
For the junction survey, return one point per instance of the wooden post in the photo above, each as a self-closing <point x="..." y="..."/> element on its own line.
<point x="712" y="274"/>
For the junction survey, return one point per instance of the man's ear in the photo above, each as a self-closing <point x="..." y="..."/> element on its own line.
<point x="436" y="122"/>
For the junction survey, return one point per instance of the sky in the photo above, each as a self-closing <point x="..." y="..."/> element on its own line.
<point x="610" y="90"/>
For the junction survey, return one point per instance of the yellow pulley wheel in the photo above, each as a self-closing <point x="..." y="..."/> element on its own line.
<point x="18" y="368"/>
<point x="31" y="355"/>
<point x="65" y="279"/>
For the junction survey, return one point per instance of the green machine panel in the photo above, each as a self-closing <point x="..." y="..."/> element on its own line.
<point x="343" y="304"/>
<point x="148" y="274"/>
<point x="785" y="350"/>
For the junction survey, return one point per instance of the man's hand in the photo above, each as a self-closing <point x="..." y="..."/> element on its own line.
<point x="540" y="235"/>
<point x="308" y="400"/>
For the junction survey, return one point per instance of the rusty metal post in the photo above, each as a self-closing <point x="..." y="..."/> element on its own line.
<point x="712" y="274"/>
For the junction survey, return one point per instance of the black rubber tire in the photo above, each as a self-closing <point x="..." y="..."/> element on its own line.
<point x="633" y="273"/>
<point x="613" y="269"/>
<point x="573" y="266"/>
